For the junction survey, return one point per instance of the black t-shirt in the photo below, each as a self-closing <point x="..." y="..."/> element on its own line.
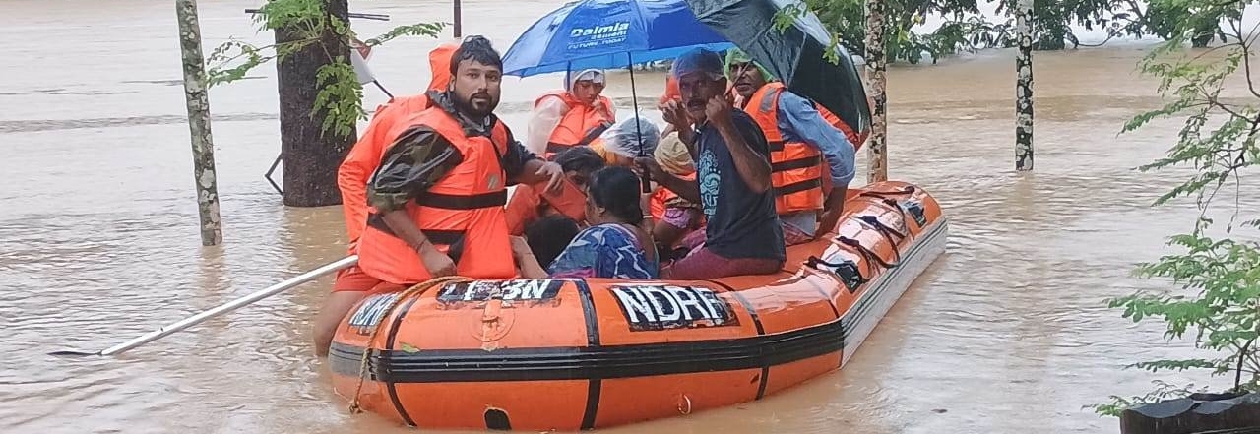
<point x="741" y="223"/>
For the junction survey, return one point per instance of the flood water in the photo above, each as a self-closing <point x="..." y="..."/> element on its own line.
<point x="1006" y="332"/>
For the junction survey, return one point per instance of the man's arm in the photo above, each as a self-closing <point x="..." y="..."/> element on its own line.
<point x="523" y="167"/>
<point x="355" y="171"/>
<point x="675" y="115"/>
<point x="417" y="160"/>
<point x="684" y="188"/>
<point x="802" y="122"/>
<point x="749" y="151"/>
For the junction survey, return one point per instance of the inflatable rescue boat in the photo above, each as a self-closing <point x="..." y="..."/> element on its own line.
<point x="578" y="354"/>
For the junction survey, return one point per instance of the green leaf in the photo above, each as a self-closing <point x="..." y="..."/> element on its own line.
<point x="338" y="105"/>
<point x="408" y="348"/>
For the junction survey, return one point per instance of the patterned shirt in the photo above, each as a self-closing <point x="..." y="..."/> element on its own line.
<point x="604" y="251"/>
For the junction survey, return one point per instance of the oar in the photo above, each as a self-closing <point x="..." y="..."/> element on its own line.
<point x="221" y="309"/>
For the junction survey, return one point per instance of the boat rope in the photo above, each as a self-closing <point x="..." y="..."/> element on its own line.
<point x="908" y="208"/>
<point x="413" y="291"/>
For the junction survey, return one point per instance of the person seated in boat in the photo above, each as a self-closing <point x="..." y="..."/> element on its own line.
<point x="351" y="284"/>
<point x="548" y="236"/>
<point x="675" y="217"/>
<point x="798" y="135"/>
<point x="615" y="246"/>
<point x="439" y="193"/>
<point x="733" y="185"/>
<point x="527" y="204"/>
<point x="573" y="117"/>
<point x="626" y="140"/>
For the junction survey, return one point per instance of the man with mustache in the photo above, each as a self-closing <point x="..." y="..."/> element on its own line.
<point x="798" y="135"/>
<point x="733" y="177"/>
<point x="439" y="192"/>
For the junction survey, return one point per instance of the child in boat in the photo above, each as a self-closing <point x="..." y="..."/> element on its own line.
<point x="615" y="246"/>
<point x="743" y="235"/>
<point x="629" y="139"/>
<point x="548" y="237"/>
<point x="675" y="217"/>
<point x="527" y="205"/>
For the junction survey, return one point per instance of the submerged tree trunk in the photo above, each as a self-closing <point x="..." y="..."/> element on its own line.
<point x="876" y="68"/>
<point x="311" y="156"/>
<point x="198" y="103"/>
<point x="1024" y="87"/>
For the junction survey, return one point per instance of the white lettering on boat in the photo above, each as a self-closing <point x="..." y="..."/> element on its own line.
<point x="371" y="312"/>
<point x="665" y="307"/>
<point x="507" y="290"/>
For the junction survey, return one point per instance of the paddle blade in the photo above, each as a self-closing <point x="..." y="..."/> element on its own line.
<point x="74" y="353"/>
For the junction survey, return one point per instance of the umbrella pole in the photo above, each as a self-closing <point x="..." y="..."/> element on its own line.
<point x="634" y="98"/>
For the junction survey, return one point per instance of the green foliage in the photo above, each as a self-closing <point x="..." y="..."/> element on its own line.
<point x="337" y="81"/>
<point x="421" y="29"/>
<point x="1218" y="302"/>
<point x="1162" y="391"/>
<point x="964" y="30"/>
<point x="846" y="19"/>
<point x="307" y="23"/>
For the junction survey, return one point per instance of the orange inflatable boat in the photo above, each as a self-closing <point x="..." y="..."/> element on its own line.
<point x="578" y="354"/>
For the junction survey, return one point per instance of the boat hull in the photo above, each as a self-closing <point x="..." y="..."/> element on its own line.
<point x="578" y="354"/>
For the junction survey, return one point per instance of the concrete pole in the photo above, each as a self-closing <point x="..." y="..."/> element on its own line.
<point x="877" y="82"/>
<point x="1024" y="87"/>
<point x="199" y="122"/>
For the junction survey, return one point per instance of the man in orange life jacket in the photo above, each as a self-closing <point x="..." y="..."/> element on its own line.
<point x="438" y="193"/>
<point x="574" y="117"/>
<point x="440" y="190"/>
<point x="800" y="141"/>
<point x="352" y="284"/>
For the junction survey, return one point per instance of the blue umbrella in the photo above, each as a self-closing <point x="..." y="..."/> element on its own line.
<point x="608" y="34"/>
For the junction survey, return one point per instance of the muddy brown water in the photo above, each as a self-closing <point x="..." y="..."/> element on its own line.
<point x="98" y="240"/>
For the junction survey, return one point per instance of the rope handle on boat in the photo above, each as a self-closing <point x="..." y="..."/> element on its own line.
<point x="869" y="255"/>
<point x="874" y="222"/>
<point x="888" y="234"/>
<point x="887" y="200"/>
<point x="414" y="290"/>
<point x="851" y="282"/>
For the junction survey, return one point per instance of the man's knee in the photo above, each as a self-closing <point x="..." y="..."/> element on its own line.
<point x="330" y="315"/>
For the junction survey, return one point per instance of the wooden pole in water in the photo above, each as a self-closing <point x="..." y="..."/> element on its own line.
<point x="198" y="102"/>
<point x="1024" y="87"/>
<point x="877" y="82"/>
<point x="459" y="19"/>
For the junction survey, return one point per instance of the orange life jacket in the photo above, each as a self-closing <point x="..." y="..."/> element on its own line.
<point x="797" y="167"/>
<point x="462" y="214"/>
<point x="365" y="156"/>
<point x="580" y="126"/>
<point x="523" y="208"/>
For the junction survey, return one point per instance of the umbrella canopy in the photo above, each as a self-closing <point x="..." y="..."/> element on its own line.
<point x="794" y="55"/>
<point x="608" y="34"/>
